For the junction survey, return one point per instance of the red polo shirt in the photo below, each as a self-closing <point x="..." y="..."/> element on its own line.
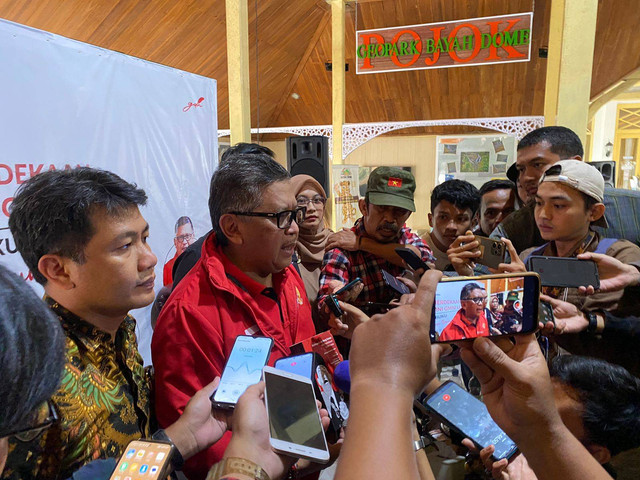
<point x="460" y="328"/>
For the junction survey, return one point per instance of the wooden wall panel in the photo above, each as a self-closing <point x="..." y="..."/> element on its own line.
<point x="617" y="49"/>
<point x="294" y="44"/>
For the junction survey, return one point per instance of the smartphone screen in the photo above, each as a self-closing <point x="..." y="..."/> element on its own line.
<point x="394" y="283"/>
<point x="298" y="364"/>
<point x="564" y="272"/>
<point x="244" y="368"/>
<point x="294" y="420"/>
<point x="143" y="459"/>
<point x="471" y="417"/>
<point x="485" y="306"/>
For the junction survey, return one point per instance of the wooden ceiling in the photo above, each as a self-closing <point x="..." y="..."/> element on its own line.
<point x="294" y="43"/>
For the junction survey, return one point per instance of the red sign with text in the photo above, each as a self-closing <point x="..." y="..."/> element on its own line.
<point x="476" y="41"/>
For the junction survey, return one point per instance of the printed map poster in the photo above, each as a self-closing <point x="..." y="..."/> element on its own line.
<point x="476" y="158"/>
<point x="474" y="162"/>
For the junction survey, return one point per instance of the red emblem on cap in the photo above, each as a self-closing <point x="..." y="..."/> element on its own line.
<point x="394" y="182"/>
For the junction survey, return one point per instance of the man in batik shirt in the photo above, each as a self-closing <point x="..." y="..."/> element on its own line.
<point x="82" y="236"/>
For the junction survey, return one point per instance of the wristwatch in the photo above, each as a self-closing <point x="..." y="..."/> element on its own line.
<point x="421" y="443"/>
<point x="177" y="461"/>
<point x="595" y="325"/>
<point x="237" y="465"/>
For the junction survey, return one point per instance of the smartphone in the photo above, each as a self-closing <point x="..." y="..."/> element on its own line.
<point x="394" y="283"/>
<point x="334" y="307"/>
<point x="144" y="459"/>
<point x="464" y="307"/>
<point x="298" y="364"/>
<point x="492" y="251"/>
<point x="347" y="287"/>
<point x="294" y="420"/>
<point x="463" y="412"/>
<point x="564" y="272"/>
<point x="411" y="258"/>
<point x="244" y="368"/>
<point x="545" y="313"/>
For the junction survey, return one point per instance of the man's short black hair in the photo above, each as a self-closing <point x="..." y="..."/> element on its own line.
<point x="610" y="396"/>
<point x="468" y="288"/>
<point x="32" y="346"/>
<point x="460" y="193"/>
<point x="563" y="141"/>
<point x="238" y="184"/>
<point x="498" y="184"/>
<point x="51" y="212"/>
<point x="246" y="148"/>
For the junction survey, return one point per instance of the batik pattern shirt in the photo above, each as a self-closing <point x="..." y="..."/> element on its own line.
<point x="102" y="403"/>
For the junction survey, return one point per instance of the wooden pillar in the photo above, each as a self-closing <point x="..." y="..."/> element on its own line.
<point x="572" y="33"/>
<point x="238" y="70"/>
<point x="337" y="91"/>
<point x="337" y="77"/>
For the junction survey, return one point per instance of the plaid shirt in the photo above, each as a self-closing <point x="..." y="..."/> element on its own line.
<point x="345" y="266"/>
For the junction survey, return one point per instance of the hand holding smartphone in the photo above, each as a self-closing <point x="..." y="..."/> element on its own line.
<point x="294" y="419"/>
<point x="467" y="415"/>
<point x="346" y="292"/>
<point x="144" y="459"/>
<point x="492" y="252"/>
<point x="564" y="272"/>
<point x="243" y="368"/>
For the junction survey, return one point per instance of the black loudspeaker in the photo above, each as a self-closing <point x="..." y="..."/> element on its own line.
<point x="608" y="171"/>
<point x="310" y="156"/>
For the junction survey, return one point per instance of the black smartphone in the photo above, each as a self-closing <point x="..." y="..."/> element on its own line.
<point x="564" y="272"/>
<point x="467" y="415"/>
<point x="332" y="298"/>
<point x="492" y="251"/>
<point x="464" y="307"/>
<point x="347" y="287"/>
<point x="394" y="283"/>
<point x="411" y="258"/>
<point x="334" y="307"/>
<point x="243" y="369"/>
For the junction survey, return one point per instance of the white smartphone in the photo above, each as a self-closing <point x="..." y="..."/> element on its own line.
<point x="144" y="459"/>
<point x="243" y="369"/>
<point x="294" y="419"/>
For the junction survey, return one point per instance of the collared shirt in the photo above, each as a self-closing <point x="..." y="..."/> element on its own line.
<point x="102" y="403"/>
<point x="344" y="266"/>
<point x="460" y="328"/>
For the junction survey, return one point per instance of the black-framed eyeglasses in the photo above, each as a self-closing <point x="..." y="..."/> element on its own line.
<point x="185" y="238"/>
<point x="284" y="219"/>
<point x="477" y="300"/>
<point x="317" y="201"/>
<point x="38" y="421"/>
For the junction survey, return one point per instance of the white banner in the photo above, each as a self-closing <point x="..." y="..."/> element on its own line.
<point x="65" y="103"/>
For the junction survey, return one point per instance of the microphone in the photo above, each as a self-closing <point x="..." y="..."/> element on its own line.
<point x="341" y="376"/>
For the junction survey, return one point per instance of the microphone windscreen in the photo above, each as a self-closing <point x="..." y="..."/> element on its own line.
<point x="341" y="376"/>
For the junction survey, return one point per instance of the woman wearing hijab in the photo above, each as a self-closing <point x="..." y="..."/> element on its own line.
<point x="313" y="232"/>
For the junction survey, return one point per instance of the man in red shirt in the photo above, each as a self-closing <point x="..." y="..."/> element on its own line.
<point x="471" y="320"/>
<point x="243" y="284"/>
<point x="185" y="236"/>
